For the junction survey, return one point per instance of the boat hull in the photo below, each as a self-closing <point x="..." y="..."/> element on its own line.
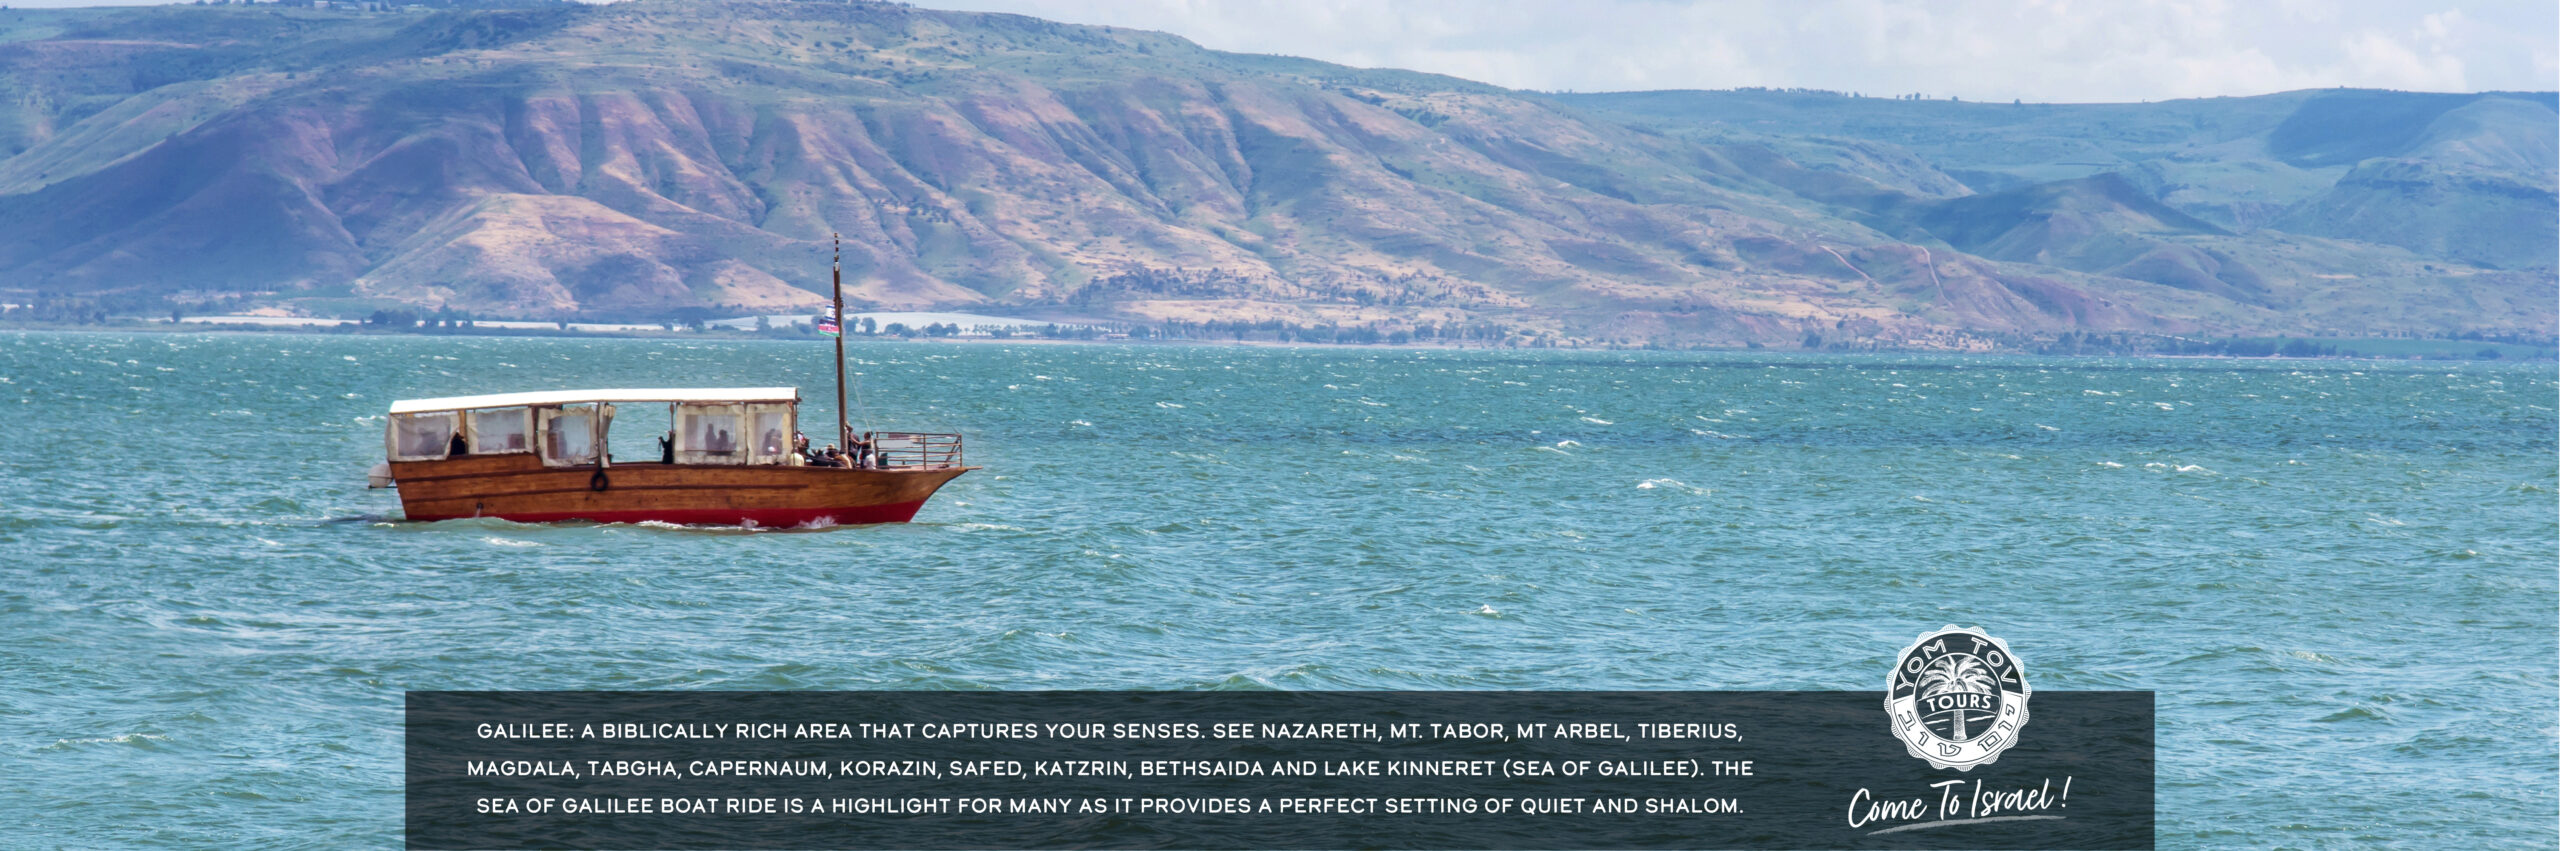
<point x="517" y="487"/>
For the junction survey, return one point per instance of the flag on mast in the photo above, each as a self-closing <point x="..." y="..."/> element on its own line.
<point x="827" y="324"/>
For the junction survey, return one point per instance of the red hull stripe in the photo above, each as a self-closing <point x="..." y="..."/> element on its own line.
<point x="764" y="517"/>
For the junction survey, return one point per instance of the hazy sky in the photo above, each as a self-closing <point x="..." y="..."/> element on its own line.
<point x="2048" y="50"/>
<point x="2042" y="50"/>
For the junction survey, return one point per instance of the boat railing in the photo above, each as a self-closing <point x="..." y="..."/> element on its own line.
<point x="915" y="450"/>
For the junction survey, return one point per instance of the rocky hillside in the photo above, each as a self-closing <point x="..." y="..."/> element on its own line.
<point x="637" y="158"/>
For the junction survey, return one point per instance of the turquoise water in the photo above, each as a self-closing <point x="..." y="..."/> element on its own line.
<point x="2338" y="576"/>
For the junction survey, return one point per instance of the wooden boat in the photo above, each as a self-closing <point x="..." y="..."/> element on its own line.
<point x="728" y="459"/>
<point x="532" y="457"/>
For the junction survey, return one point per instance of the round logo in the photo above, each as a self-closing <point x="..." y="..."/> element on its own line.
<point x="1957" y="697"/>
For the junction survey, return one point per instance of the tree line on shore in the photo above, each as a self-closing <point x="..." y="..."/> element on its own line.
<point x="111" y="309"/>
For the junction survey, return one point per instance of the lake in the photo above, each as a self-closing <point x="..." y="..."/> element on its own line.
<point x="2339" y="576"/>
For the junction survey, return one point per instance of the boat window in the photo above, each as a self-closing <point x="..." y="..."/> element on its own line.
<point x="422" y="437"/>
<point x="711" y="434"/>
<point x="503" y="430"/>
<point x="569" y="436"/>
<point x="772" y="428"/>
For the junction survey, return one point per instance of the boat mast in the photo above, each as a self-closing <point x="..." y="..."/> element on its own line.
<point x="844" y="422"/>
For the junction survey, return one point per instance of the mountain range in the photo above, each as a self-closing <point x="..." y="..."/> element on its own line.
<point x="627" y="160"/>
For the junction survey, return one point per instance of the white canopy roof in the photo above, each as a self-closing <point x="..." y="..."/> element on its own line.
<point x="697" y="395"/>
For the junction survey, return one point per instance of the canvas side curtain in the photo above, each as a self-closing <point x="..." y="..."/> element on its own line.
<point x="569" y="435"/>
<point x="501" y="431"/>
<point x="421" y="437"/>
<point x="772" y="427"/>
<point x="712" y="434"/>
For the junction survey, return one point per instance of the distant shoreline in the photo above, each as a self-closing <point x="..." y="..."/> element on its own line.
<point x="2540" y="354"/>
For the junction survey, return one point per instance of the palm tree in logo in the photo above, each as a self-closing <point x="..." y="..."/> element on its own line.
<point x="1957" y="673"/>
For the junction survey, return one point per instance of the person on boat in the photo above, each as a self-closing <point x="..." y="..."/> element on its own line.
<point x="667" y="448"/>
<point x="829" y="457"/>
<point x="459" y="446"/>
<point x="800" y="451"/>
<point x="862" y="456"/>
